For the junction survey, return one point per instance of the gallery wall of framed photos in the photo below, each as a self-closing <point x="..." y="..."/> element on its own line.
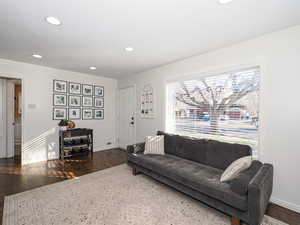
<point x="75" y="101"/>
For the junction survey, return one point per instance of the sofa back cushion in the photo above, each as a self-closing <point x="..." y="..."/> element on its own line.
<point x="221" y="154"/>
<point x="185" y="147"/>
<point x="170" y="141"/>
<point x="213" y="153"/>
<point x="191" y="148"/>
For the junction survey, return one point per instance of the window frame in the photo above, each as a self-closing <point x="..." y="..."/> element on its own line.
<point x="259" y="64"/>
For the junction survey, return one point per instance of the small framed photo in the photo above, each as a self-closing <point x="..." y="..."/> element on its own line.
<point x="87" y="114"/>
<point x="87" y="90"/>
<point x="59" y="113"/>
<point x="59" y="100"/>
<point x="60" y="86"/>
<point x="99" y="102"/>
<point x="74" y="101"/>
<point x="99" y="91"/>
<point x="99" y="114"/>
<point x="87" y="101"/>
<point x="74" y="88"/>
<point x="74" y="113"/>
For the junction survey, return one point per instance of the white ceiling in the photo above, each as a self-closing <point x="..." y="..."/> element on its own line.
<point x="95" y="32"/>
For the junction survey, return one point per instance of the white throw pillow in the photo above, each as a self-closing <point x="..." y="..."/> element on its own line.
<point x="154" y="145"/>
<point x="235" y="168"/>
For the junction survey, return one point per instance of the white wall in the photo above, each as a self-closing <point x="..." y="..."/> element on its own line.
<point x="40" y="132"/>
<point x="279" y="56"/>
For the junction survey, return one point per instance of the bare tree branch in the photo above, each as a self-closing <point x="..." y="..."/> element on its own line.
<point x="191" y="98"/>
<point x="187" y="102"/>
<point x="213" y="99"/>
<point x="211" y="92"/>
<point x="202" y="95"/>
<point x="239" y="95"/>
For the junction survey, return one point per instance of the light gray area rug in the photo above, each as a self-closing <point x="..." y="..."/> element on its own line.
<point x="111" y="197"/>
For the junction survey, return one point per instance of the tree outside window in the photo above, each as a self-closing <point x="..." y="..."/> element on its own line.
<point x="223" y="107"/>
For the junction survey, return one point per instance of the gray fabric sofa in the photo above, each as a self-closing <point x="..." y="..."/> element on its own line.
<point x="194" y="167"/>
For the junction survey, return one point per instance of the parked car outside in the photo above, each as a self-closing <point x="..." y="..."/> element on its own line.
<point x="206" y="117"/>
<point x="224" y="117"/>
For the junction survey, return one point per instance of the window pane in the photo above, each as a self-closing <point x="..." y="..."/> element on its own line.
<point x="223" y="107"/>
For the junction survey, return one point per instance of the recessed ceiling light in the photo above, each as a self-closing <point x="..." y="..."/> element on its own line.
<point x="225" y="1"/>
<point x="37" y="56"/>
<point x="129" y="49"/>
<point x="93" y="68"/>
<point x="52" y="20"/>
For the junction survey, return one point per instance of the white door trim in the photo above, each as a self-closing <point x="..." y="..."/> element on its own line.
<point x="10" y="119"/>
<point x="23" y="102"/>
<point x="134" y="111"/>
<point x="23" y="109"/>
<point x="3" y="149"/>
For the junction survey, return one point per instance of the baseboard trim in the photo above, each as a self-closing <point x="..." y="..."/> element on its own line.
<point x="286" y="204"/>
<point x="98" y="149"/>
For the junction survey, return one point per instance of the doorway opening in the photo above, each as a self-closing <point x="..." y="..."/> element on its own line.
<point x="10" y="119"/>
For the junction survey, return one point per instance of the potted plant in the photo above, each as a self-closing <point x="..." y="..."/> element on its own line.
<point x="71" y="124"/>
<point x="63" y="124"/>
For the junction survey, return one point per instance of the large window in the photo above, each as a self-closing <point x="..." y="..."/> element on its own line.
<point x="223" y="107"/>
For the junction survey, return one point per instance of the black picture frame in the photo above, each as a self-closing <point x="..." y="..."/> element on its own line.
<point x="96" y="93"/>
<point x="83" y="118"/>
<point x="83" y="88"/>
<point x="73" y="118"/>
<point x="70" y="89"/>
<point x="83" y="105"/>
<point x="62" y="118"/>
<point x="62" y="81"/>
<point x="95" y="113"/>
<point x="74" y="96"/>
<point x="98" y="98"/>
<point x="66" y="100"/>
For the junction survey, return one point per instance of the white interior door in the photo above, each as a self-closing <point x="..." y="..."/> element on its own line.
<point x="127" y="117"/>
<point x="2" y="118"/>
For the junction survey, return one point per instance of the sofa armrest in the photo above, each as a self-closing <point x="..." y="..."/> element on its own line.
<point x="259" y="193"/>
<point x="138" y="148"/>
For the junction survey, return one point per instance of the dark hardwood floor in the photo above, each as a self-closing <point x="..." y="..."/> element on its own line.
<point x="15" y="178"/>
<point x="283" y="214"/>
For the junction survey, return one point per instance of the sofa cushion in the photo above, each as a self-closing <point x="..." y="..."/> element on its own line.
<point x="154" y="145"/>
<point x="240" y="184"/>
<point x="191" y="148"/>
<point x="235" y="168"/>
<point x="170" y="141"/>
<point x="210" y="152"/>
<point x="220" y="154"/>
<point x="185" y="147"/>
<point x="199" y="177"/>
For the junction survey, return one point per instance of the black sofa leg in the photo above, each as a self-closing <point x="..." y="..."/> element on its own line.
<point x="135" y="171"/>
<point x="235" y="221"/>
